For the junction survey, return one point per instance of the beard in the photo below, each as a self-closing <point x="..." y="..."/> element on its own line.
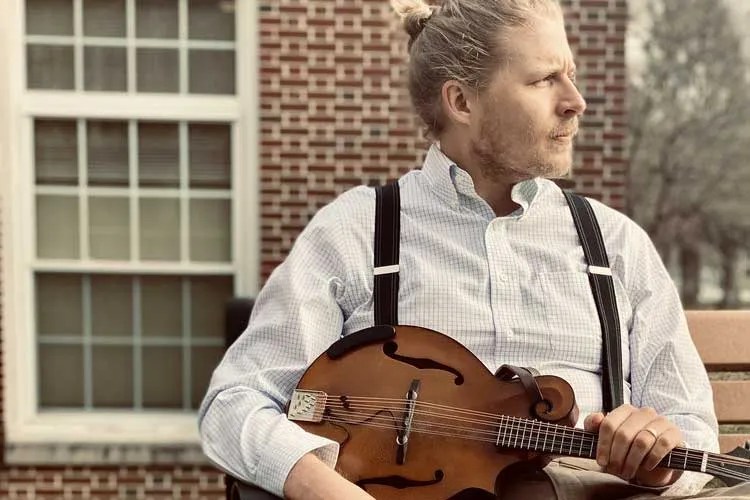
<point x="505" y="158"/>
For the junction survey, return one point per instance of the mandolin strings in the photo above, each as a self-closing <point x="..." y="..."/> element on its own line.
<point x="527" y="430"/>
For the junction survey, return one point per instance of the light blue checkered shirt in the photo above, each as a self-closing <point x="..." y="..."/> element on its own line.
<point x="512" y="289"/>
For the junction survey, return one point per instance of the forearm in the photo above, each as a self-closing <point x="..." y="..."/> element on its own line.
<point x="311" y="479"/>
<point x="253" y="441"/>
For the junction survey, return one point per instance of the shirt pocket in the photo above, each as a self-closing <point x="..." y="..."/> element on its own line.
<point x="575" y="331"/>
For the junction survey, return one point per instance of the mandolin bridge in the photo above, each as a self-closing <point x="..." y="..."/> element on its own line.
<point x="307" y="406"/>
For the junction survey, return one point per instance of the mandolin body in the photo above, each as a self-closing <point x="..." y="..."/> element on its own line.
<point x="446" y="455"/>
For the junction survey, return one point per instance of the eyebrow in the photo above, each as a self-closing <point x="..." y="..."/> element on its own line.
<point x="550" y="67"/>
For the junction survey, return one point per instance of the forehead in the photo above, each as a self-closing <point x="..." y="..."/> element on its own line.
<point x="542" y="43"/>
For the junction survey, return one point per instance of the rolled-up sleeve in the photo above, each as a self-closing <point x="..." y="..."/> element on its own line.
<point x="296" y="317"/>
<point x="667" y="373"/>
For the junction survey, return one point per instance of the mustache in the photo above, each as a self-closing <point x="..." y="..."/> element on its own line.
<point x="567" y="130"/>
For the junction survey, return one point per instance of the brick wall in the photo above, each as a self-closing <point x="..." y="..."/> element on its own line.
<point x="152" y="482"/>
<point x="334" y="115"/>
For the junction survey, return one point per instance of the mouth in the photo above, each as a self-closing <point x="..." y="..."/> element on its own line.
<point x="566" y="139"/>
<point x="565" y="135"/>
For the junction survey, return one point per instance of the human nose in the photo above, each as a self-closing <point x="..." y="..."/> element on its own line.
<point x="572" y="102"/>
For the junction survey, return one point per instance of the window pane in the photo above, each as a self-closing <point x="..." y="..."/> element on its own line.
<point x="109" y="228"/>
<point x="210" y="156"/>
<point x="57" y="227"/>
<point x="156" y="18"/>
<point x="211" y="19"/>
<point x="158" y="155"/>
<point x="49" y="17"/>
<point x="158" y="70"/>
<point x="162" y="377"/>
<point x="50" y="67"/>
<point x="161" y="306"/>
<point x="107" y="153"/>
<point x="210" y="222"/>
<point x="56" y="152"/>
<point x="112" y="372"/>
<point x="211" y="71"/>
<point x="160" y="229"/>
<point x="59" y="307"/>
<point x="204" y="360"/>
<point x="208" y="297"/>
<point x="104" y="18"/>
<point x="111" y="305"/>
<point x="104" y="68"/>
<point x="60" y="376"/>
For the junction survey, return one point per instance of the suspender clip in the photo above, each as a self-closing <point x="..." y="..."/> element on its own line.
<point x="603" y="271"/>
<point x="386" y="270"/>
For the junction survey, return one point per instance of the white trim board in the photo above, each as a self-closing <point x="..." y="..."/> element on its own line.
<point x="27" y="430"/>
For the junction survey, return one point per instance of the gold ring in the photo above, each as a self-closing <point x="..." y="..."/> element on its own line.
<point x="651" y="431"/>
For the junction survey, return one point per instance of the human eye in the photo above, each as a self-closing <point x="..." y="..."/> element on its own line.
<point x="546" y="81"/>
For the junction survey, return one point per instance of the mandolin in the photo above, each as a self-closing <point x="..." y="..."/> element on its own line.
<point x="418" y="416"/>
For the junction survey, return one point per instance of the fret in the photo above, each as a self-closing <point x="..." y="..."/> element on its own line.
<point x="572" y="435"/>
<point x="580" y="447"/>
<point x="669" y="461"/>
<point x="554" y="435"/>
<point x="525" y="429"/>
<point x="538" y="432"/>
<point x="499" y="430"/>
<point x="562" y="439"/>
<point x="510" y="432"/>
<point x="546" y="431"/>
<point x="591" y="449"/>
<point x="506" y="429"/>
<point x="500" y="433"/>
<point x="704" y="462"/>
<point x="684" y="465"/>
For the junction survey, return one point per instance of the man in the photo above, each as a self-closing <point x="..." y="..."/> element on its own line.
<point x="489" y="255"/>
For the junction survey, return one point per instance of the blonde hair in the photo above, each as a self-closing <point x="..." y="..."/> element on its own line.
<point x="458" y="40"/>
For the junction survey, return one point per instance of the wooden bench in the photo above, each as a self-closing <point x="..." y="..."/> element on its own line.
<point x="723" y="342"/>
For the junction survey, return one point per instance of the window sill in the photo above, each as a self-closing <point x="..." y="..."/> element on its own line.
<point x="98" y="454"/>
<point x="103" y="438"/>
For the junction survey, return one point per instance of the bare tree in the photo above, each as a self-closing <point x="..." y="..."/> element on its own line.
<point x="689" y="153"/>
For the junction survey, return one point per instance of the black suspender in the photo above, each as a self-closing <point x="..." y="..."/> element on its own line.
<point x="602" y="286"/>
<point x="386" y="249"/>
<point x="387" y="236"/>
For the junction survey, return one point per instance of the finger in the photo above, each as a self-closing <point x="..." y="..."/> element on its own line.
<point x="667" y="441"/>
<point x="607" y="429"/>
<point x="642" y="445"/>
<point x="624" y="436"/>
<point x="593" y="421"/>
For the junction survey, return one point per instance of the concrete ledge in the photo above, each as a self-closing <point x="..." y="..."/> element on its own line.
<point x="102" y="454"/>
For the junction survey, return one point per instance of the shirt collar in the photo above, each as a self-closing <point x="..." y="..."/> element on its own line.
<point x="456" y="187"/>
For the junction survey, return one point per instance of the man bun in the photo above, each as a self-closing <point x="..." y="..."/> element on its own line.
<point x="414" y="15"/>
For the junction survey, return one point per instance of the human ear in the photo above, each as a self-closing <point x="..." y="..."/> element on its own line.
<point x="457" y="102"/>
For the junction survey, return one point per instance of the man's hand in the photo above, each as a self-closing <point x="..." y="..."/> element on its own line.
<point x="311" y="479"/>
<point x="632" y="442"/>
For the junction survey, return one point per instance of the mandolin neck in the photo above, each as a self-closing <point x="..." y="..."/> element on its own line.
<point x="553" y="439"/>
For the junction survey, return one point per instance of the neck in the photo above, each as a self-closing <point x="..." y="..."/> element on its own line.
<point x="534" y="435"/>
<point x="496" y="192"/>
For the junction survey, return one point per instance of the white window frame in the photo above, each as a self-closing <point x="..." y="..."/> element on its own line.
<point x="25" y="425"/>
